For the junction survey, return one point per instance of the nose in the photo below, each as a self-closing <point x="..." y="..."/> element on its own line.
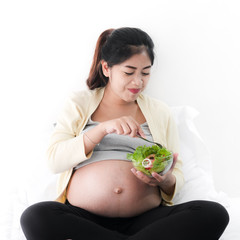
<point x="137" y="80"/>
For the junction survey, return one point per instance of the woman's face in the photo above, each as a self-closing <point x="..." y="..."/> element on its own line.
<point x="128" y="79"/>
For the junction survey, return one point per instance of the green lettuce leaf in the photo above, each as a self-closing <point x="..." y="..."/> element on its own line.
<point x="162" y="158"/>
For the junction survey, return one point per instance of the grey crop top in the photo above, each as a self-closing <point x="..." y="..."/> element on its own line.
<point x="114" y="146"/>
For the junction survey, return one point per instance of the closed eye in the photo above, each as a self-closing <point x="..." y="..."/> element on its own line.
<point x="144" y="74"/>
<point x="127" y="73"/>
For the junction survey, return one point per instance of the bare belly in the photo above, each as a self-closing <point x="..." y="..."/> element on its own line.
<point x="109" y="188"/>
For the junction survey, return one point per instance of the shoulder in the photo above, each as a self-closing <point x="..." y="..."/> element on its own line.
<point x="84" y="97"/>
<point x="86" y="94"/>
<point x="80" y="103"/>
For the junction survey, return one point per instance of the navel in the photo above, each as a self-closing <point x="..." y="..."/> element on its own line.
<point x="118" y="190"/>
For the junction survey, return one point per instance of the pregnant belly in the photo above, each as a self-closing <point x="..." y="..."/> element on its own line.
<point x="109" y="188"/>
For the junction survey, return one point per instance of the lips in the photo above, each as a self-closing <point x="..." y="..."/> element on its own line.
<point x="134" y="90"/>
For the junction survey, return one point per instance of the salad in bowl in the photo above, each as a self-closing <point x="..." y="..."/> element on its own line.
<point x="151" y="159"/>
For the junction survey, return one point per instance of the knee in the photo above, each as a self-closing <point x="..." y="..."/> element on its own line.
<point x="34" y="219"/>
<point x="31" y="214"/>
<point x="222" y="215"/>
<point x="215" y="216"/>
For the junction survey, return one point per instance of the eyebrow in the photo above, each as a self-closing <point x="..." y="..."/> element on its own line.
<point x="128" y="66"/>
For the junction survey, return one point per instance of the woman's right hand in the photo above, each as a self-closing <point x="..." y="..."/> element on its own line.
<point x="125" y="125"/>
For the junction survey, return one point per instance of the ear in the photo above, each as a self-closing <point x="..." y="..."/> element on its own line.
<point x="105" y="68"/>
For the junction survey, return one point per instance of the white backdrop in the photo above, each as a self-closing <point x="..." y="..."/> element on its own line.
<point x="46" y="48"/>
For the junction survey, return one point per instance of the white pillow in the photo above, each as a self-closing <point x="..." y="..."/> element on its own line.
<point x="197" y="164"/>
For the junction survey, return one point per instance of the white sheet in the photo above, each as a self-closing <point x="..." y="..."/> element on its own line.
<point x="197" y="171"/>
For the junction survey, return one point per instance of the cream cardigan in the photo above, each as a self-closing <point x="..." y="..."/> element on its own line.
<point x="66" y="148"/>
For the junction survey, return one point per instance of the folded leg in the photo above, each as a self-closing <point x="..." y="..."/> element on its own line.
<point x="187" y="221"/>
<point x="54" y="220"/>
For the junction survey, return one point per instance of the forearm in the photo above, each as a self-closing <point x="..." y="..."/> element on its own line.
<point x="168" y="186"/>
<point x="93" y="137"/>
<point x="66" y="153"/>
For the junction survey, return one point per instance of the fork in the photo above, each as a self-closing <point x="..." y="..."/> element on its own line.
<point x="149" y="141"/>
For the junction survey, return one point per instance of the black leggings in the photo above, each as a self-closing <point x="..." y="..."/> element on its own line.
<point x="193" y="220"/>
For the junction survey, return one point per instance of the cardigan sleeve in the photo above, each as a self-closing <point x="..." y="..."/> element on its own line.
<point x="66" y="147"/>
<point x="172" y="139"/>
<point x="164" y="131"/>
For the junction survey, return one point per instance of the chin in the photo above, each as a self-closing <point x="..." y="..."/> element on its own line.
<point x="131" y="99"/>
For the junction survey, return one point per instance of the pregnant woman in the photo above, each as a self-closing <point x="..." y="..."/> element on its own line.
<point x="101" y="194"/>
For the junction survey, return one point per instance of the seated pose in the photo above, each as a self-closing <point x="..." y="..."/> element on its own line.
<point x="101" y="194"/>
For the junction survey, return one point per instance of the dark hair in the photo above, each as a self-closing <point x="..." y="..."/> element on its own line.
<point x="115" y="46"/>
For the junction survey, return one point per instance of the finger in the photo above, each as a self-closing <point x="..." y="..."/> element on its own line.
<point x="157" y="176"/>
<point x="144" y="178"/>
<point x="175" y="158"/>
<point x="110" y="130"/>
<point x="141" y="133"/>
<point x="134" y="128"/>
<point x="134" y="171"/>
<point x="121" y="127"/>
<point x="125" y="128"/>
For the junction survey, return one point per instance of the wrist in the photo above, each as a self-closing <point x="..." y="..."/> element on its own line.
<point x="89" y="139"/>
<point x="94" y="135"/>
<point x="102" y="130"/>
<point x="168" y="185"/>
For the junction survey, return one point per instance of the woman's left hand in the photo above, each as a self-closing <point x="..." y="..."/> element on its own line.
<point x="166" y="182"/>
